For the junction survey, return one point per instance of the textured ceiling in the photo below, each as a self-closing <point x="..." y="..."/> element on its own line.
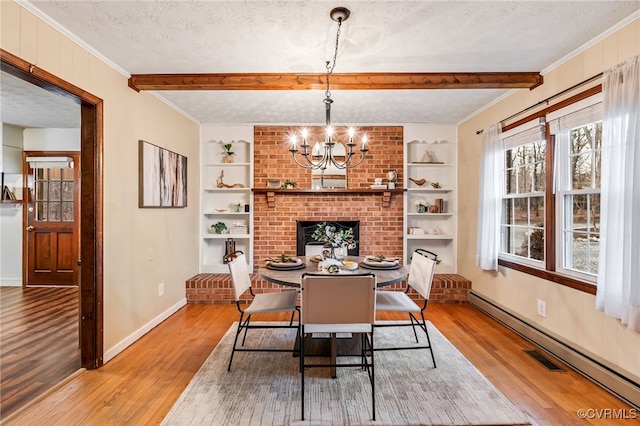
<point x="142" y="37"/>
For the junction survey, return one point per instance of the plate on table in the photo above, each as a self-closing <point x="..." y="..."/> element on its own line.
<point x="379" y="266"/>
<point x="381" y="261"/>
<point x="293" y="263"/>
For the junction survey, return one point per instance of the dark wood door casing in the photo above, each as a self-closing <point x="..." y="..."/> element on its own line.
<point x="91" y="201"/>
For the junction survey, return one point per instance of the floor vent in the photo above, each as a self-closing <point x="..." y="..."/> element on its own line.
<point x="542" y="359"/>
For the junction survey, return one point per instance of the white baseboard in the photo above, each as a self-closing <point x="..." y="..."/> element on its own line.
<point x="126" y="342"/>
<point x="11" y="283"/>
<point x="606" y="376"/>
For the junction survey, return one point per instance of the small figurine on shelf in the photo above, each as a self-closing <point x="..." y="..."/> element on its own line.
<point x="436" y="185"/>
<point x="418" y="182"/>
<point x="220" y="182"/>
<point x="430" y="157"/>
<point x="227" y="155"/>
<point x="392" y="177"/>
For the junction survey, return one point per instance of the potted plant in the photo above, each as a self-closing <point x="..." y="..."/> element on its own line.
<point x="237" y="206"/>
<point x="227" y="154"/>
<point x="219" y="227"/>
<point x="288" y="184"/>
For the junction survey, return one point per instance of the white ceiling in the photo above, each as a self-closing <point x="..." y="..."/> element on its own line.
<point x="144" y="37"/>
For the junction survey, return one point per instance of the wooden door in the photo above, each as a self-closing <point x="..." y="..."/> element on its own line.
<point x="52" y="231"/>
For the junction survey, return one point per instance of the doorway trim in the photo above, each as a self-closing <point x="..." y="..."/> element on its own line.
<point x="91" y="201"/>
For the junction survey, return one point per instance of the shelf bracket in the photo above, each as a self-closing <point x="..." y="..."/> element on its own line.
<point x="386" y="199"/>
<point x="271" y="199"/>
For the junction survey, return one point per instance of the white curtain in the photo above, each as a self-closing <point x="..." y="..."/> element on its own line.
<point x="490" y="198"/>
<point x="618" y="293"/>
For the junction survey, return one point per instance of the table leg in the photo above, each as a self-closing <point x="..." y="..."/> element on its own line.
<point x="334" y="355"/>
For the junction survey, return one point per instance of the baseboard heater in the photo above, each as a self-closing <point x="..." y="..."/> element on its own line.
<point x="599" y="373"/>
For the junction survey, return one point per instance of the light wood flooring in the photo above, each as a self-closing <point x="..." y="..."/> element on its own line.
<point x="39" y="342"/>
<point x="140" y="385"/>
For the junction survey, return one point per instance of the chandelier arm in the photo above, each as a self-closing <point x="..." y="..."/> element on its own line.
<point x="328" y="158"/>
<point x="308" y="163"/>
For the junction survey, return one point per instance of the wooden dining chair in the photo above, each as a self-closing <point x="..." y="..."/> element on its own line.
<point x="262" y="303"/>
<point x="339" y="304"/>
<point x="423" y="264"/>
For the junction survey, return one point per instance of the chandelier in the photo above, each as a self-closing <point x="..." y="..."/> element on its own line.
<point x="322" y="154"/>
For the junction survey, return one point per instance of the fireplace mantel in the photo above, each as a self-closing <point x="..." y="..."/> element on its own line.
<point x="271" y="193"/>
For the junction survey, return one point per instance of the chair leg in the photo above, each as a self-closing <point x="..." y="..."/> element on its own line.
<point x="373" y="381"/>
<point x="414" y="321"/>
<point x="426" y="332"/>
<point x="246" y="327"/>
<point x="235" y="342"/>
<point x="302" y="374"/>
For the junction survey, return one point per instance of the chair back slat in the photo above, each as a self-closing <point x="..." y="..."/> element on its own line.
<point x="239" y="275"/>
<point x="338" y="300"/>
<point x="421" y="274"/>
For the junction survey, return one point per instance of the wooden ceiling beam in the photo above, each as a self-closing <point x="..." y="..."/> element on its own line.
<point x="356" y="81"/>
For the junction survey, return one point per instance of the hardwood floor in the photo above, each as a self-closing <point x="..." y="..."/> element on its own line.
<point x="140" y="385"/>
<point x="39" y="342"/>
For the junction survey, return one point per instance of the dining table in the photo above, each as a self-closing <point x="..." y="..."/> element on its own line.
<point x="292" y="277"/>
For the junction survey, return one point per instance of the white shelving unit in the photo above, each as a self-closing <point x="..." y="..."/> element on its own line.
<point x="433" y="231"/>
<point x="217" y="203"/>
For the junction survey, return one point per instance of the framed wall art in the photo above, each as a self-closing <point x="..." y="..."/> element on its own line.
<point x="162" y="177"/>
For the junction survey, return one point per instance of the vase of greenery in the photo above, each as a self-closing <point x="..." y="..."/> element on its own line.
<point x="334" y="238"/>
<point x="227" y="154"/>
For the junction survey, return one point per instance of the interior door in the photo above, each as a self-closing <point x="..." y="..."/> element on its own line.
<point x="52" y="220"/>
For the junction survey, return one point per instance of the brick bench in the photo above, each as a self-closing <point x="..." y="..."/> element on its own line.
<point x="217" y="288"/>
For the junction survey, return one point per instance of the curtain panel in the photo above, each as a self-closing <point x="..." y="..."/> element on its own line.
<point x="618" y="291"/>
<point x="490" y="198"/>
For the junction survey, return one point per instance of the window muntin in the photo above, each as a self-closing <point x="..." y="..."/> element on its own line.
<point x="523" y="207"/>
<point x="578" y="201"/>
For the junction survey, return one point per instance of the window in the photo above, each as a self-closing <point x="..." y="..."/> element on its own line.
<point x="523" y="206"/>
<point x="578" y="146"/>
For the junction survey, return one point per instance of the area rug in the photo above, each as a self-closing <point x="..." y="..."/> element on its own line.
<point x="264" y="388"/>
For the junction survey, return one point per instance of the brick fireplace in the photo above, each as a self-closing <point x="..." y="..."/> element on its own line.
<point x="275" y="226"/>
<point x="380" y="223"/>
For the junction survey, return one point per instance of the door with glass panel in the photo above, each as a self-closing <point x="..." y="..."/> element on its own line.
<point x="52" y="234"/>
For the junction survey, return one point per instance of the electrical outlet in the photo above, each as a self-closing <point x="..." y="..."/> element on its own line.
<point x="161" y="289"/>
<point x="542" y="308"/>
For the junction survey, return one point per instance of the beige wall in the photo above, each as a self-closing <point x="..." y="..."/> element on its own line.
<point x="570" y="313"/>
<point x="142" y="247"/>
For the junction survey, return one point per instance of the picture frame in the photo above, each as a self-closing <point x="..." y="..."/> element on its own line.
<point x="162" y="181"/>
<point x="273" y="183"/>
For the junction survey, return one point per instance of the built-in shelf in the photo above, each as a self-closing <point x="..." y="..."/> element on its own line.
<point x="430" y="214"/>
<point x="429" y="237"/>
<point x="272" y="192"/>
<point x="430" y="190"/>
<point x="225" y="236"/>
<point x="226" y="189"/>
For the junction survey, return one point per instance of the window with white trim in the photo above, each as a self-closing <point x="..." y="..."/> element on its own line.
<point x="578" y="141"/>
<point x="523" y="203"/>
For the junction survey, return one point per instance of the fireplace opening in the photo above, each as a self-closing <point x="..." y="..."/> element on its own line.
<point x="304" y="230"/>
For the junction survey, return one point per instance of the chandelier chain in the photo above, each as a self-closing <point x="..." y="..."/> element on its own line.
<point x="332" y="64"/>
<point x="321" y="156"/>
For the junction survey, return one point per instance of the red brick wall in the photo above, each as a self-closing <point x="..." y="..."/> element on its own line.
<point x="275" y="227"/>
